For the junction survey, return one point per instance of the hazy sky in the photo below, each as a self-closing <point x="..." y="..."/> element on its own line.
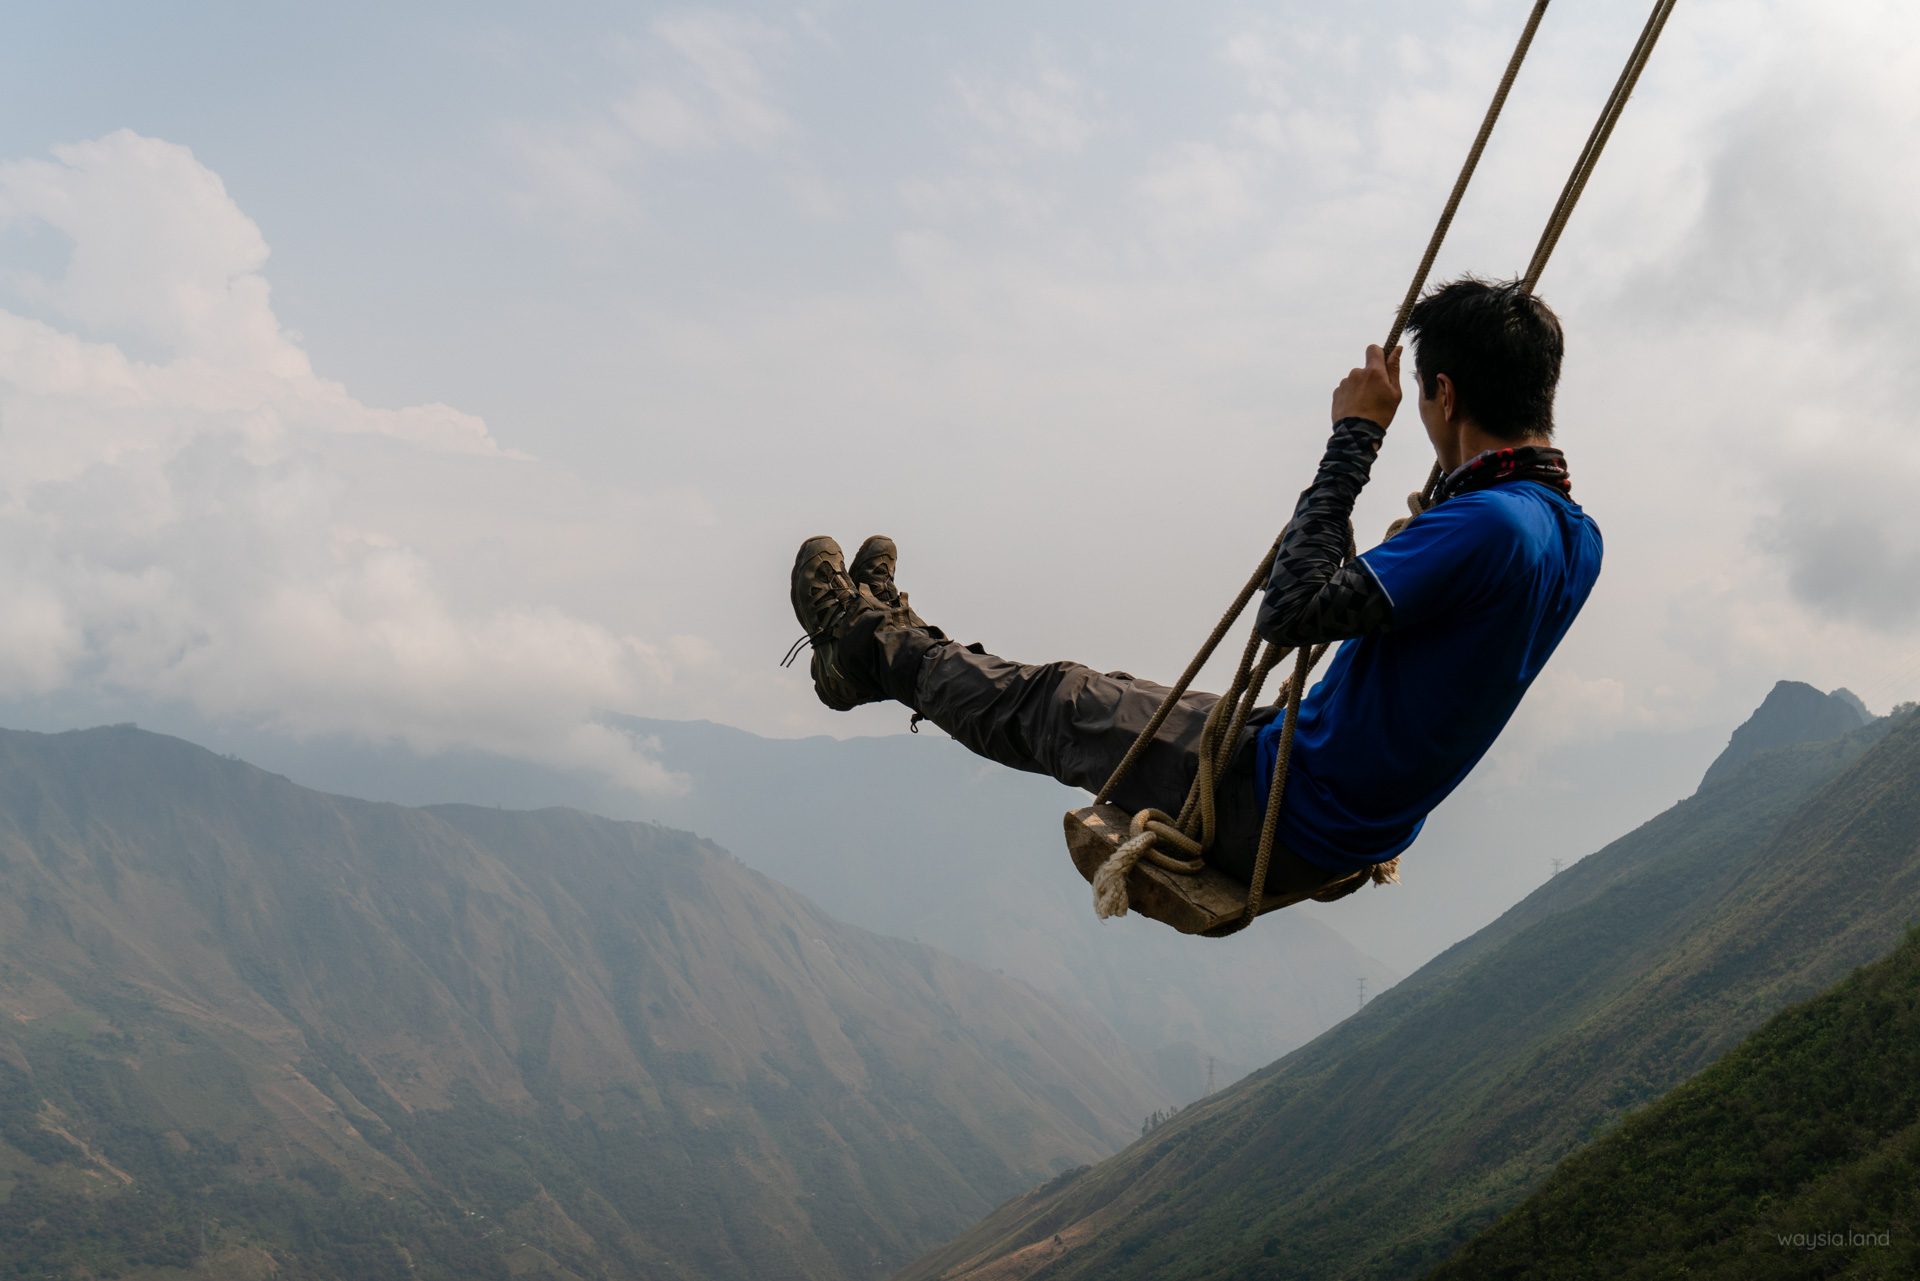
<point x="452" y="374"/>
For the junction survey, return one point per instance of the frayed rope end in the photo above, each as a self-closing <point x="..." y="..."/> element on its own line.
<point x="1110" y="881"/>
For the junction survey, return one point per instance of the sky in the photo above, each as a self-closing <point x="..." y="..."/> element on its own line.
<point x="451" y="376"/>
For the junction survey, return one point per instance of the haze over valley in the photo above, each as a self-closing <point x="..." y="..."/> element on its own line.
<point x="416" y="861"/>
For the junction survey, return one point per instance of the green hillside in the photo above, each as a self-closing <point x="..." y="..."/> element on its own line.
<point x="257" y="1028"/>
<point x="1797" y="1155"/>
<point x="1380" y="1148"/>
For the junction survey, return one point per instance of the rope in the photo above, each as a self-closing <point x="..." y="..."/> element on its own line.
<point x="1570" y="193"/>
<point x="1167" y="704"/>
<point x="1596" y="141"/>
<point x="1466" y="172"/>
<point x="1277" y="785"/>
<point x="1193" y="831"/>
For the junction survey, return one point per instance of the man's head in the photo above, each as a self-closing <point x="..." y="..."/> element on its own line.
<point x="1488" y="354"/>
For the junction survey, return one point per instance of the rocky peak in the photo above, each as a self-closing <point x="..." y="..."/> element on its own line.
<point x="1793" y="712"/>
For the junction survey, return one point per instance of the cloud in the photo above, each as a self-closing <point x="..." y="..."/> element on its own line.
<point x="711" y="90"/>
<point x="1798" y="256"/>
<point x="1015" y="131"/>
<point x="1203" y="189"/>
<point x="700" y="86"/>
<point x="1183" y="240"/>
<point x="162" y="260"/>
<point x="989" y="190"/>
<point x="1848" y="535"/>
<point x="185" y="526"/>
<point x="579" y="172"/>
<point x="1048" y="110"/>
<point x="1063" y="328"/>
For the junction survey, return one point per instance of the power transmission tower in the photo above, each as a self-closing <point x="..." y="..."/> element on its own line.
<point x="1360" y="986"/>
<point x="1209" y="1074"/>
<point x="1556" y="866"/>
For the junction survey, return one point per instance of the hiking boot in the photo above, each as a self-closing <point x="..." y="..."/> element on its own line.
<point x="873" y="569"/>
<point x="826" y="601"/>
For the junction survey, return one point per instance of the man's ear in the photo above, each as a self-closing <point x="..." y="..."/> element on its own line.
<point x="1443" y="392"/>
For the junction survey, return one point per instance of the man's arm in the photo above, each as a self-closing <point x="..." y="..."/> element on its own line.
<point x="1310" y="597"/>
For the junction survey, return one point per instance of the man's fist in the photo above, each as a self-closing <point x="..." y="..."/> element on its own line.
<point x="1372" y="393"/>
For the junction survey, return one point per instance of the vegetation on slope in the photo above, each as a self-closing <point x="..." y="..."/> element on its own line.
<point x="1380" y="1148"/>
<point x="132" y="1201"/>
<point x="1797" y="1155"/>
<point x="252" y="1024"/>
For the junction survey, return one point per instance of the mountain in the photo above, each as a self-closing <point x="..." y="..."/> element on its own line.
<point x="1382" y="1146"/>
<point x="273" y="1030"/>
<point x="1798" y="1154"/>
<point x="913" y="836"/>
<point x="1793" y="712"/>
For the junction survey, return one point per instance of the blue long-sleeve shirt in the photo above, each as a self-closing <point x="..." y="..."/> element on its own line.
<point x="1445" y="626"/>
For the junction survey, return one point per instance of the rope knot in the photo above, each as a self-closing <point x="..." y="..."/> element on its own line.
<point x="1148" y="829"/>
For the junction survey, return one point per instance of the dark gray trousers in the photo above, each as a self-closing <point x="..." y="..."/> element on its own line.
<point x="1074" y="724"/>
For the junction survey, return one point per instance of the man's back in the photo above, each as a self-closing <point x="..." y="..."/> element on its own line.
<point x="1482" y="587"/>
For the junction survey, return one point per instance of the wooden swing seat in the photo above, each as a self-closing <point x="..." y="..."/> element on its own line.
<point x="1204" y="902"/>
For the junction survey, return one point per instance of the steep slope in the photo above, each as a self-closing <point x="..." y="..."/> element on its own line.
<point x="1493" y="841"/>
<point x="1386" y="1143"/>
<point x="1796" y="1155"/>
<point x="1793" y="712"/>
<point x="379" y="1041"/>
<point x="967" y="856"/>
<point x="915" y="837"/>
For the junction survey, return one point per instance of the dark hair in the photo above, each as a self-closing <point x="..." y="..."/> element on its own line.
<point x="1499" y="344"/>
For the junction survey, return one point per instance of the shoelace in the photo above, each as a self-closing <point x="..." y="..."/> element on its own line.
<point x="806" y="640"/>
<point x="899" y="599"/>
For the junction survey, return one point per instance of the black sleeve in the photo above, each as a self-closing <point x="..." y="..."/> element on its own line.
<point x="1310" y="596"/>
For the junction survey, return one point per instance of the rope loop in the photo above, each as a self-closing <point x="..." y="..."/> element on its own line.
<point x="1148" y="829"/>
<point x="1163" y="828"/>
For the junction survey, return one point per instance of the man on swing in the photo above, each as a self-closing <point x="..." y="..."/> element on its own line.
<point x="1444" y="626"/>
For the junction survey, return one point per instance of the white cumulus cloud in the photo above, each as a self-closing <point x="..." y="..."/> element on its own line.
<point x="177" y="499"/>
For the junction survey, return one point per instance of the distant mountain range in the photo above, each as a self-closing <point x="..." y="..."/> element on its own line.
<point x="919" y="838"/>
<point x="1380" y="1148"/>
<point x="914" y="837"/>
<point x="275" y="1032"/>
<point x="259" y="1028"/>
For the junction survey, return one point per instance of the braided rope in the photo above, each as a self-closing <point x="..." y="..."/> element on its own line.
<point x="1168" y="703"/>
<point x="1572" y="190"/>
<point x="1277" y="784"/>
<point x="1589" y="157"/>
<point x="1466" y="172"/>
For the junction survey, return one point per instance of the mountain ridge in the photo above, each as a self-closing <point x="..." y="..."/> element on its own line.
<point x="1792" y="712"/>
<point x="269" y="1007"/>
<point x="1378" y="1148"/>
